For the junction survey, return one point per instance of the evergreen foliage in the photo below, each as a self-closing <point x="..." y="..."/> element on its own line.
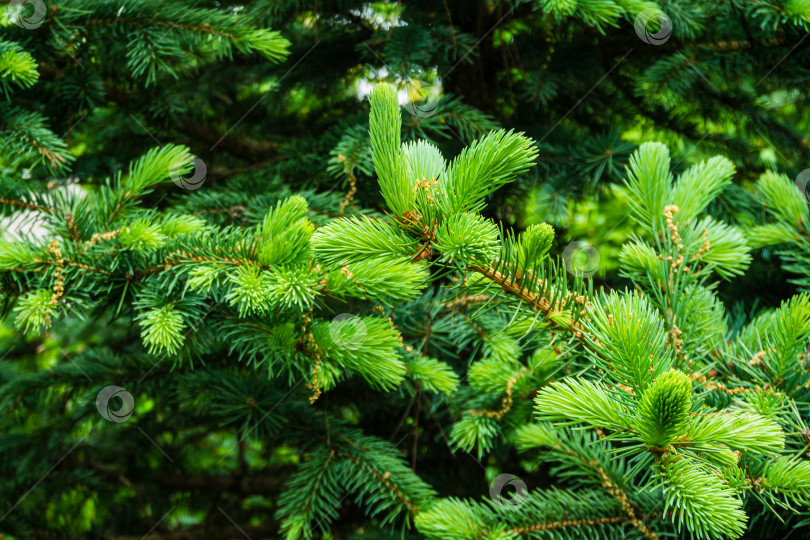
<point x="203" y="337"/>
